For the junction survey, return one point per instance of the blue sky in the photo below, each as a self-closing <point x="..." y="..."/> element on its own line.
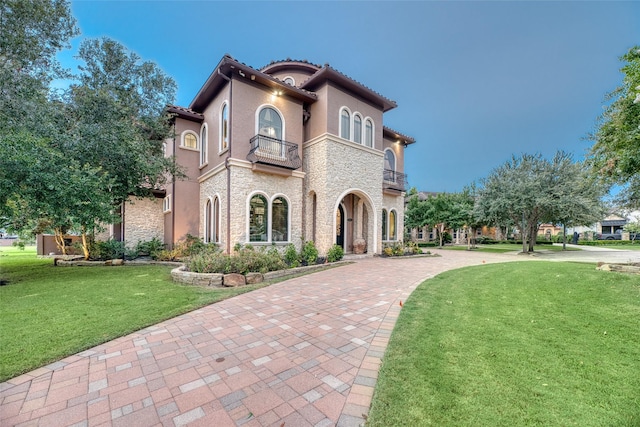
<point x="475" y="82"/>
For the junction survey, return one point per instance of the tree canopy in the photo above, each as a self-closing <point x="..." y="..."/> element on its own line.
<point x="615" y="154"/>
<point x="69" y="157"/>
<point x="529" y="190"/>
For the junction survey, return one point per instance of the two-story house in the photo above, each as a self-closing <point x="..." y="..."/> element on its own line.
<point x="290" y="152"/>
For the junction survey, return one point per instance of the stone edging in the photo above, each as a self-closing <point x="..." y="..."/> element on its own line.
<point x="179" y="275"/>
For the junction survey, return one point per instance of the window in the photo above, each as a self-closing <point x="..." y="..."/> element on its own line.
<point x="279" y="220"/>
<point x="166" y="204"/>
<point x="420" y="235"/>
<point x="204" y="145"/>
<point x="211" y="221"/>
<point x="357" y="129"/>
<point x="224" y="127"/>
<point x="384" y="224"/>
<point x="368" y="133"/>
<point x="345" y="124"/>
<point x="270" y="123"/>
<point x="189" y="140"/>
<point x="289" y="80"/>
<point x="258" y="216"/>
<point x="389" y="166"/>
<point x="392" y="226"/>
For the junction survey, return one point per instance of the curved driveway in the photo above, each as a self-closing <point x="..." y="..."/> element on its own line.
<point x="304" y="352"/>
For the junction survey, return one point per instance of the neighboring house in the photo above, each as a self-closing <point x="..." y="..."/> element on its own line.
<point x="290" y="152"/>
<point x="548" y="230"/>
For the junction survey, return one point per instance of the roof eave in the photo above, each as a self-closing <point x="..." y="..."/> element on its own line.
<point x="328" y="73"/>
<point x="229" y="68"/>
<point x="393" y="134"/>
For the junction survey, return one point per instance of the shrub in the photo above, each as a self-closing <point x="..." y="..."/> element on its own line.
<point x="309" y="253"/>
<point x="336" y="253"/>
<point x="291" y="256"/>
<point x="150" y="248"/>
<point x="104" y="250"/>
<point x="186" y="248"/>
<point x="246" y="260"/>
<point x="413" y="248"/>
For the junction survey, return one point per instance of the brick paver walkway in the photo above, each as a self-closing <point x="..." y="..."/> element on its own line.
<point x="304" y="352"/>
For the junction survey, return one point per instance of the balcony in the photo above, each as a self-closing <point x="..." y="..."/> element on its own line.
<point x="274" y="152"/>
<point x="392" y="180"/>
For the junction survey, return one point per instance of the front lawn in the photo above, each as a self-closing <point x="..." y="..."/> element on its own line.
<point x="515" y="344"/>
<point x="51" y="312"/>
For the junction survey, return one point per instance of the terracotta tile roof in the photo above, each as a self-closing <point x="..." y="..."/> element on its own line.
<point x="394" y="133"/>
<point x="184" y="112"/>
<point x="281" y="61"/>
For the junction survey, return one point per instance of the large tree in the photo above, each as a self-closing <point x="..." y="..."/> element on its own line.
<point x="530" y="189"/>
<point x="31" y="34"/>
<point x="68" y="159"/>
<point x="615" y="154"/>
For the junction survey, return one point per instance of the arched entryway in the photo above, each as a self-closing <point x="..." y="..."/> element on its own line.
<point x="354" y="221"/>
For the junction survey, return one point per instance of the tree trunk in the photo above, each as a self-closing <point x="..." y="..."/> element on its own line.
<point x="85" y="246"/>
<point x="564" y="237"/>
<point x="58" y="236"/>
<point x="441" y="232"/>
<point x="533" y="231"/>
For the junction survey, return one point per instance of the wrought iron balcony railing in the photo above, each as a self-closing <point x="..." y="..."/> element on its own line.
<point x="394" y="180"/>
<point x="276" y="152"/>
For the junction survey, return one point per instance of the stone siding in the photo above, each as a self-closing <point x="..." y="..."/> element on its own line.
<point x="395" y="203"/>
<point x="245" y="182"/>
<point x="143" y="221"/>
<point x="335" y="168"/>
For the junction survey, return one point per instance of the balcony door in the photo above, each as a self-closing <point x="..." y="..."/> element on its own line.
<point x="270" y="125"/>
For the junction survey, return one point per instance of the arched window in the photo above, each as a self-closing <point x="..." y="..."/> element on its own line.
<point x="189" y="140"/>
<point x="384" y="224"/>
<point x="393" y="231"/>
<point x="389" y="173"/>
<point x="270" y="123"/>
<point x="211" y="221"/>
<point x="224" y="127"/>
<point x="279" y="220"/>
<point x="258" y="216"/>
<point x="345" y="124"/>
<point x="289" y="80"/>
<point x="368" y="133"/>
<point x="207" y="221"/>
<point x="203" y="145"/>
<point x="357" y="129"/>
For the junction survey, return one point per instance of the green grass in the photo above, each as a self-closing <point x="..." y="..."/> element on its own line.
<point x="500" y="248"/>
<point x="51" y="312"/>
<point x="515" y="344"/>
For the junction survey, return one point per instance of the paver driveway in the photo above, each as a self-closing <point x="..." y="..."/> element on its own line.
<point x="304" y="352"/>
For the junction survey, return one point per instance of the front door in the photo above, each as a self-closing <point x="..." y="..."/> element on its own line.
<point x="340" y="226"/>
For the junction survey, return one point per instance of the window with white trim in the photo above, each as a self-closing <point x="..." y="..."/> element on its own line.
<point x="357" y="128"/>
<point x="393" y="229"/>
<point x="389" y="173"/>
<point x="368" y="133"/>
<point x="211" y="220"/>
<point x="166" y="204"/>
<point x="384" y="224"/>
<point x="258" y="218"/>
<point x="189" y="140"/>
<point x="345" y="124"/>
<point x="224" y="127"/>
<point x="279" y="220"/>
<point x="203" y="145"/>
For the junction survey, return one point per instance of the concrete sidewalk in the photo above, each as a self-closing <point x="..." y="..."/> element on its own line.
<point x="304" y="352"/>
